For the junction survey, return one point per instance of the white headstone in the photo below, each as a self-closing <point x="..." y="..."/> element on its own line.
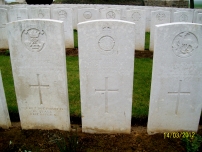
<point x="2" y="2"/>
<point x="4" y="116"/>
<point x="185" y="15"/>
<point x="39" y="13"/>
<point x="196" y="12"/>
<point x="148" y="18"/>
<point x="138" y="17"/>
<point x="75" y="17"/>
<point x="3" y="34"/>
<point x="199" y="18"/>
<point x="38" y="61"/>
<point x="175" y="99"/>
<point x="5" y="6"/>
<point x="87" y="14"/>
<point x="17" y="14"/>
<point x="106" y="62"/>
<point x="157" y="17"/>
<point x="182" y="17"/>
<point x="110" y="13"/>
<point x="65" y="15"/>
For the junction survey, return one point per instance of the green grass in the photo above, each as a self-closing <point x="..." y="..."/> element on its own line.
<point x="5" y="67"/>
<point x="75" y="39"/>
<point x="141" y="87"/>
<point x="142" y="81"/>
<point x="73" y="85"/>
<point x="198" y="6"/>
<point x="147" y="39"/>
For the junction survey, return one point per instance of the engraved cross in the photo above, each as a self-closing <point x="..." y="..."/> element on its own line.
<point x="106" y="91"/>
<point x="178" y="93"/>
<point x="39" y="86"/>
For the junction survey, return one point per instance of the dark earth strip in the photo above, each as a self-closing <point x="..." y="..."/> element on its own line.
<point x="74" y="52"/>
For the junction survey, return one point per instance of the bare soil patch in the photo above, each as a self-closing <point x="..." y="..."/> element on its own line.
<point x="45" y="140"/>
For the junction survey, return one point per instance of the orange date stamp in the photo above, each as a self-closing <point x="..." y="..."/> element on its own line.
<point x="179" y="134"/>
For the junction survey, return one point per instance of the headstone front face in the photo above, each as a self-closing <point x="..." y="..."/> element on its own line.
<point x="196" y="12"/>
<point x="4" y="116"/>
<point x="138" y="17"/>
<point x="106" y="62"/>
<point x="65" y="15"/>
<point x="175" y="99"/>
<point x="148" y="18"/>
<point x="3" y="34"/>
<point x="39" y="13"/>
<point x="182" y="17"/>
<point x="2" y="2"/>
<point x="75" y="17"/>
<point x="199" y="18"/>
<point x="110" y="14"/>
<point x="157" y="17"/>
<point x="38" y="61"/>
<point x="183" y="14"/>
<point x="87" y="14"/>
<point x="17" y="14"/>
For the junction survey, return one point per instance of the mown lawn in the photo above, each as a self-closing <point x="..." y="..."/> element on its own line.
<point x="141" y="89"/>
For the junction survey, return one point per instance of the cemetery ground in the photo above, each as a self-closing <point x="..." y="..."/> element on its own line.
<point x="16" y="139"/>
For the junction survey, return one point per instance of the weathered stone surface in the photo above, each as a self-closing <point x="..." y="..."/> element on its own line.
<point x="185" y="12"/>
<point x="87" y="14"/>
<point x="16" y="14"/>
<point x="110" y="13"/>
<point x="182" y="17"/>
<point x="39" y="12"/>
<point x="199" y="18"/>
<point x="106" y="62"/>
<point x="4" y="116"/>
<point x="75" y="17"/>
<point x="3" y="34"/>
<point x="38" y="61"/>
<point x="157" y="17"/>
<point x="138" y="17"/>
<point x="175" y="99"/>
<point x="148" y="18"/>
<point x="65" y="15"/>
<point x="196" y="12"/>
<point x="2" y="2"/>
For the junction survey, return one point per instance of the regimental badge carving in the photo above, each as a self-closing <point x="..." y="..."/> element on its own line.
<point x="40" y="14"/>
<point x="87" y="15"/>
<point x="106" y="28"/>
<point x="106" y="44"/>
<point x="183" y="18"/>
<point x="184" y="44"/>
<point x="136" y="16"/>
<point x="34" y="39"/>
<point x="62" y="14"/>
<point x="110" y="15"/>
<point x="160" y="16"/>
